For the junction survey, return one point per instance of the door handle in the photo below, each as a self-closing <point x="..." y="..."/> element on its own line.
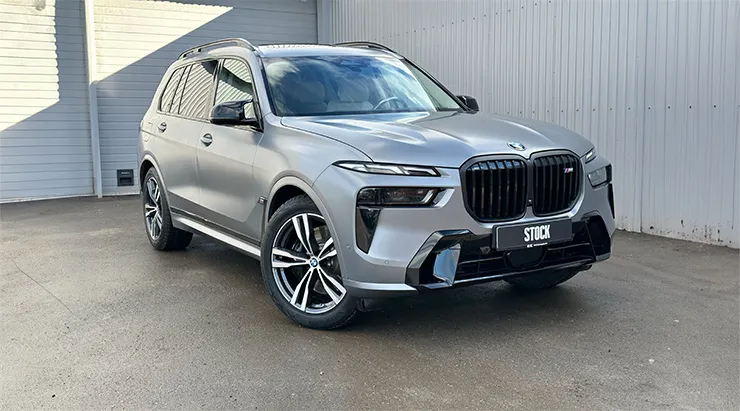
<point x="206" y="139"/>
<point x="162" y="127"/>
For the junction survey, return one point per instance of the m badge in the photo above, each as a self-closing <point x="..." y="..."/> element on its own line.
<point x="567" y="170"/>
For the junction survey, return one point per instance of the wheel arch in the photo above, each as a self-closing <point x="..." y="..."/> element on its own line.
<point x="286" y="188"/>
<point x="144" y="167"/>
<point x="148" y="161"/>
<point x="283" y="194"/>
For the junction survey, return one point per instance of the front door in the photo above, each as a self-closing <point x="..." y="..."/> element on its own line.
<point x="225" y="157"/>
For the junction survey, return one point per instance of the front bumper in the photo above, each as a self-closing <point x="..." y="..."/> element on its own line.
<point x="452" y="258"/>
<point x="442" y="246"/>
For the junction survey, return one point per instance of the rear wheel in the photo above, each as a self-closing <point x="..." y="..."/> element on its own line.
<point x="543" y="280"/>
<point x="301" y="269"/>
<point x="157" y="221"/>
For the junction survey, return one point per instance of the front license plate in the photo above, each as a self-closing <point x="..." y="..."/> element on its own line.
<point x="530" y="235"/>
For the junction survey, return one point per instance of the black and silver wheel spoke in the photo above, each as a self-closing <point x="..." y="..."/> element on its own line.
<point x="303" y="231"/>
<point x="302" y="264"/>
<point x="303" y="289"/>
<point x="328" y="250"/>
<point x="336" y="291"/>
<point x="153" y="209"/>
<point x="294" y="258"/>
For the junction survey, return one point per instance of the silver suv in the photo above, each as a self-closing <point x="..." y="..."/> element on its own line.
<point x="354" y="175"/>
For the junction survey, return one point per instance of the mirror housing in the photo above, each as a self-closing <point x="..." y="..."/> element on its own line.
<point x="234" y="113"/>
<point x="469" y="102"/>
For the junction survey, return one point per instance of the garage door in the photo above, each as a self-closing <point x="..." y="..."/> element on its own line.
<point x="137" y="40"/>
<point x="44" y="129"/>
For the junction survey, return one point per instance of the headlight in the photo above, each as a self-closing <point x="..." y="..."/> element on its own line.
<point x="600" y="176"/>
<point x="395" y="196"/>
<point x="371" y="200"/>
<point x="590" y="156"/>
<point x="392" y="169"/>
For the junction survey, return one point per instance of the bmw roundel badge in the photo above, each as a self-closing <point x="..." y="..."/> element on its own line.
<point x="516" y="145"/>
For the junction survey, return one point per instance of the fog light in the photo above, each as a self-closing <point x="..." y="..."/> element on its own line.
<point x="600" y="176"/>
<point x="395" y="196"/>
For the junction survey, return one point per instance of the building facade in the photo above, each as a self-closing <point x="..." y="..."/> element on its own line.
<point x="68" y="118"/>
<point x="655" y="84"/>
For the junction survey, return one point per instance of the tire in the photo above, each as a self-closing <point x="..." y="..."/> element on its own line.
<point x="538" y="281"/>
<point x="163" y="235"/>
<point x="303" y="278"/>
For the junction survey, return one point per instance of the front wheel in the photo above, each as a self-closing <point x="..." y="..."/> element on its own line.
<point x="547" y="279"/>
<point x="301" y="269"/>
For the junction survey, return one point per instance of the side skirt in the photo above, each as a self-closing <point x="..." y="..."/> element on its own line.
<point x="187" y="223"/>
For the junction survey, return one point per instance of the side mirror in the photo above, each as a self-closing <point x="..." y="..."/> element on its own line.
<point x="234" y="112"/>
<point x="470" y="102"/>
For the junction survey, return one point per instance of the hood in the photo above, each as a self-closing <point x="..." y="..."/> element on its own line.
<point x="444" y="139"/>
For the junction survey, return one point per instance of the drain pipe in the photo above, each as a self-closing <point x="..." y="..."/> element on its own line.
<point x="92" y="95"/>
<point x="324" y="21"/>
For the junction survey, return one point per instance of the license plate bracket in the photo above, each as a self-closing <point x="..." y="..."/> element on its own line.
<point x="533" y="234"/>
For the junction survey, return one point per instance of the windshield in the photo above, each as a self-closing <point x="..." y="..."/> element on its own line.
<point x="331" y="85"/>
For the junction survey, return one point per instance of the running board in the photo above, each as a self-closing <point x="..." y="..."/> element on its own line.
<point x="204" y="230"/>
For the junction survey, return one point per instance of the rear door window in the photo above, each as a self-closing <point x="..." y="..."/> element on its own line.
<point x="198" y="91"/>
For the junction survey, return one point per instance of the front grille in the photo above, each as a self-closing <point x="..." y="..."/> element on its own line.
<point x="496" y="189"/>
<point x="557" y="182"/>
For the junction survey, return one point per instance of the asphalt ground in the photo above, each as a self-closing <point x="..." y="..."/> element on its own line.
<point x="93" y="318"/>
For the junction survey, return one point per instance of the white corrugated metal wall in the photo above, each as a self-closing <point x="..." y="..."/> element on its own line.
<point x="655" y="84"/>
<point x="44" y="131"/>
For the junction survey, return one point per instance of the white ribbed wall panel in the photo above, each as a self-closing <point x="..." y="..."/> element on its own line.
<point x="45" y="146"/>
<point x="138" y="39"/>
<point x="655" y="84"/>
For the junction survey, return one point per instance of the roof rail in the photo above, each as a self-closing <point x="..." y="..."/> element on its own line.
<point x="197" y="49"/>
<point x="366" y="44"/>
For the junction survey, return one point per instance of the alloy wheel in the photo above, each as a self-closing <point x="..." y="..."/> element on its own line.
<point x="305" y="265"/>
<point x="153" y="209"/>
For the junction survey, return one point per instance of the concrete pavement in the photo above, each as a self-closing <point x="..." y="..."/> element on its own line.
<point x="93" y="318"/>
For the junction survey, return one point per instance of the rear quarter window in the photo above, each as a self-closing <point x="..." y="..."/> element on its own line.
<point x="177" y="99"/>
<point x="165" y="100"/>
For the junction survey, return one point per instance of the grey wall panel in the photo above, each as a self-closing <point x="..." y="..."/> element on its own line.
<point x="655" y="84"/>
<point x="44" y="124"/>
<point x="137" y="40"/>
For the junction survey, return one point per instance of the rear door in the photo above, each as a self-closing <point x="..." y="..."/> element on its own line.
<point x="174" y="142"/>
<point x="225" y="157"/>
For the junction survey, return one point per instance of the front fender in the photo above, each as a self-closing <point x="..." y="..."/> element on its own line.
<point x="315" y="197"/>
